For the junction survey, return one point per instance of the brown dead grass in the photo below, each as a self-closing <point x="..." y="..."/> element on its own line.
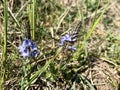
<point x="102" y="75"/>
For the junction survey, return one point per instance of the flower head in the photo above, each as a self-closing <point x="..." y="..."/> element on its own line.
<point x="68" y="38"/>
<point x="28" y="48"/>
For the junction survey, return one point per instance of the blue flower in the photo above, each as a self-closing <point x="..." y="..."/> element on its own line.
<point x="25" y="53"/>
<point x="68" y="38"/>
<point x="35" y="53"/>
<point x="28" y="48"/>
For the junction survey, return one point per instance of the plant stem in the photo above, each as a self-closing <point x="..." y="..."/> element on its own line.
<point x="5" y="31"/>
<point x="23" y="75"/>
<point x="4" y="57"/>
<point x="32" y="18"/>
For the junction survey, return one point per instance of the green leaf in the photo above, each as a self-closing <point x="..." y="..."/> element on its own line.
<point x="35" y="76"/>
<point x="87" y="81"/>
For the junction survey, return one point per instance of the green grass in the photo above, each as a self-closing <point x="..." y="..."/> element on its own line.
<point x="49" y="21"/>
<point x="5" y="31"/>
<point x="31" y="15"/>
<point x="3" y="62"/>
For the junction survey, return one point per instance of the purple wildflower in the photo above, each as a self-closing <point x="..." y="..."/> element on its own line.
<point x="68" y="38"/>
<point x="28" y="48"/>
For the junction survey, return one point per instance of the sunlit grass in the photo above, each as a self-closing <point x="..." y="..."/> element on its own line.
<point x="31" y="15"/>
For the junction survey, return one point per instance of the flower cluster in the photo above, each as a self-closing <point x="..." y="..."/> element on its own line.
<point x="68" y="38"/>
<point x="28" y="48"/>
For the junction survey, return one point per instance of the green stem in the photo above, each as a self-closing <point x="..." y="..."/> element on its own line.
<point x="32" y="18"/>
<point x="5" y="31"/>
<point x="23" y="75"/>
<point x="2" y="73"/>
